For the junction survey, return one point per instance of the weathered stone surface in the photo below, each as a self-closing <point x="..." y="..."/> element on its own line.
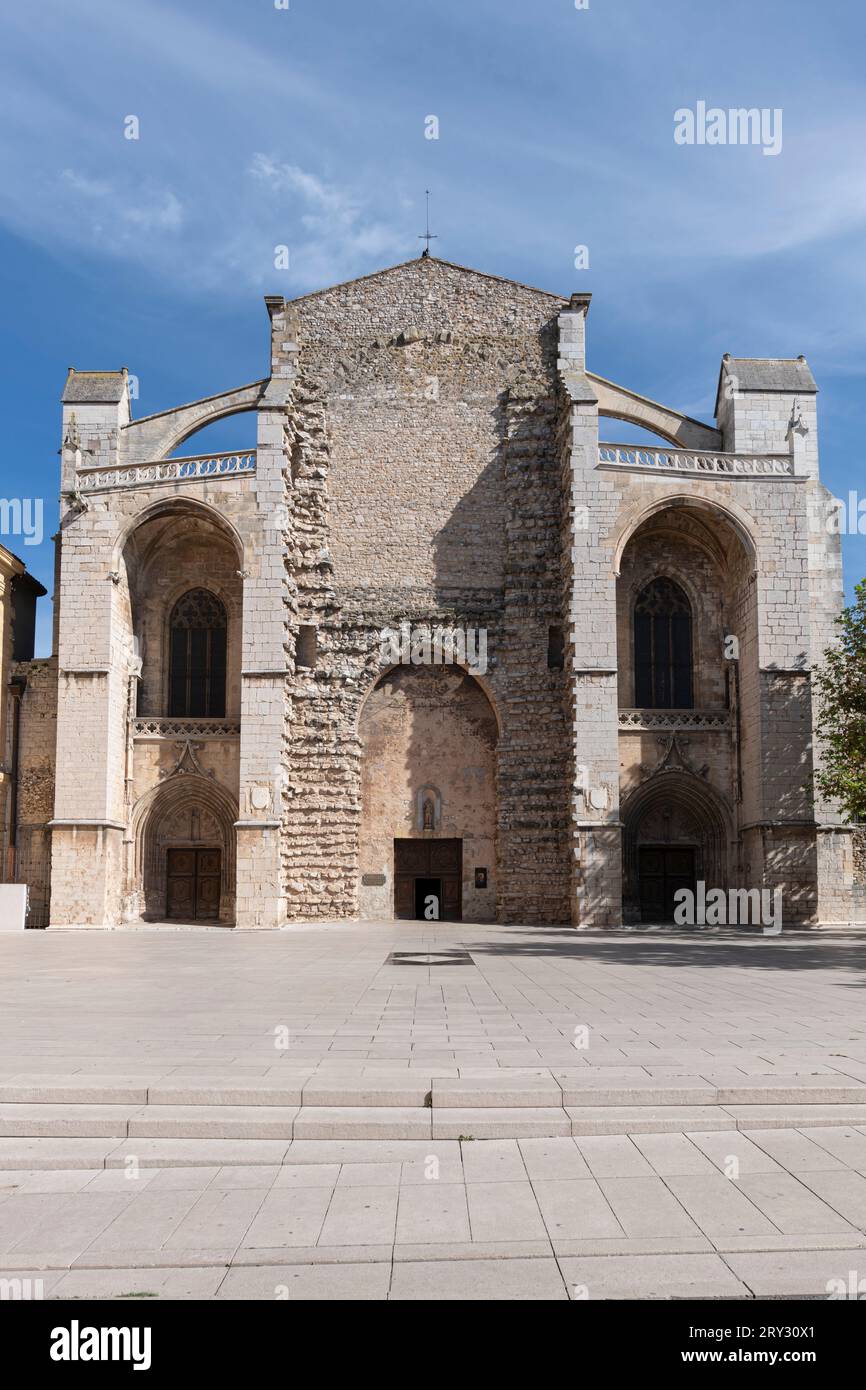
<point x="427" y="455"/>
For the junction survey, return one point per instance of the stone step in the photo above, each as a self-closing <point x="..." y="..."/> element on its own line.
<point x="495" y="1090"/>
<point x="101" y="1138"/>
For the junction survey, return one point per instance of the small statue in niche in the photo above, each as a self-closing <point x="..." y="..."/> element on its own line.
<point x="429" y="814"/>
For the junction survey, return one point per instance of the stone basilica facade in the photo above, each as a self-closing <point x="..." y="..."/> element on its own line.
<point x="223" y="736"/>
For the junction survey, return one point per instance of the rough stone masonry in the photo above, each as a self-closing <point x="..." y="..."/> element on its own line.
<point x="230" y="746"/>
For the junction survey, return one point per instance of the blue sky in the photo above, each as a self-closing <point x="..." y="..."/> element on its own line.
<point x="306" y="127"/>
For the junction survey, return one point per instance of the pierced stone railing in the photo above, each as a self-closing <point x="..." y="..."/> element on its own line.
<point x="701" y="721"/>
<point x="691" y="461"/>
<point x="158" y="727"/>
<point x="177" y="470"/>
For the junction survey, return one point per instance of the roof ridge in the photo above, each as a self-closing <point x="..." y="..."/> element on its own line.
<point x="429" y="260"/>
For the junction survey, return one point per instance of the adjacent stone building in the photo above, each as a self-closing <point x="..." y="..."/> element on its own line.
<point x="252" y="726"/>
<point x="19" y="678"/>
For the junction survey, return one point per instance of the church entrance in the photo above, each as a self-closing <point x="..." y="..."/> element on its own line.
<point x="662" y="870"/>
<point x="428" y="878"/>
<point x="193" y="884"/>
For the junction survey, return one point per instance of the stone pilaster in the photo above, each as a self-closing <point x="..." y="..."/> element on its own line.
<point x="261" y="901"/>
<point x="591" y="657"/>
<point x="94" y="649"/>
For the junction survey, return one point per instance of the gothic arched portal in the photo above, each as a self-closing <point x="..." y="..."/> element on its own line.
<point x="428" y="795"/>
<point x="185" y="851"/>
<point x="675" y="833"/>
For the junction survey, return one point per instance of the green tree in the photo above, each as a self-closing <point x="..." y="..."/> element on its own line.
<point x="840" y="682"/>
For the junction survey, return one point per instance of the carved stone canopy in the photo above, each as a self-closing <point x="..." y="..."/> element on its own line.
<point x="187" y="762"/>
<point x="673" y="759"/>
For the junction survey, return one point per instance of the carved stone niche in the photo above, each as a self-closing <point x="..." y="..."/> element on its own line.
<point x="428" y="809"/>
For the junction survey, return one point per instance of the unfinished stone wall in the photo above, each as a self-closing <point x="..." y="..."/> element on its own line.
<point x="423" y="488"/>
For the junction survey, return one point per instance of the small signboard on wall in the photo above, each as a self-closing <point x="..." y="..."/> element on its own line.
<point x="480" y="878"/>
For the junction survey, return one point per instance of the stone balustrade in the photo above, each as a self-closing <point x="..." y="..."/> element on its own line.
<point x="159" y="727"/>
<point x="700" y="721"/>
<point x="189" y="469"/>
<point x="639" y="456"/>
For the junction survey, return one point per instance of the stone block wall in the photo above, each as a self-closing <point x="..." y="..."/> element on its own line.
<point x="35" y="784"/>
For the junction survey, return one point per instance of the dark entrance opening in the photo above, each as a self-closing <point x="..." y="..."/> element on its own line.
<point x="425" y="869"/>
<point x="662" y="871"/>
<point x="193" y="885"/>
<point x="428" y="898"/>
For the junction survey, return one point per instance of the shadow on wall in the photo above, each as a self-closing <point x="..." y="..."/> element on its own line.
<point x="497" y="567"/>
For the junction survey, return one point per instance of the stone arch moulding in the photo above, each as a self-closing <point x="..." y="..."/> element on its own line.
<point x="687" y="792"/>
<point x="177" y="504"/>
<point x="632" y="520"/>
<point x="377" y="674"/>
<point x="157" y="816"/>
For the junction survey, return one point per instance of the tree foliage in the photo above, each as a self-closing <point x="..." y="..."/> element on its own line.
<point x="841" y="686"/>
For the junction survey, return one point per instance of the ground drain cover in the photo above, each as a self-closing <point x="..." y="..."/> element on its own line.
<point x="429" y="958"/>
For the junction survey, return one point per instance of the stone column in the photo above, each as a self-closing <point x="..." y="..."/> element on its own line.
<point x="791" y="839"/>
<point x="591" y="660"/>
<point x="261" y="899"/>
<point x="94" y="650"/>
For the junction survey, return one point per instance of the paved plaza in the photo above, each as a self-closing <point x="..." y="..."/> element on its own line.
<point x="412" y="1112"/>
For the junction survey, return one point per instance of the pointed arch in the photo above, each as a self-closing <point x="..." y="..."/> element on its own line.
<point x="177" y="506"/>
<point x="158" y="818"/>
<point x="197" y="646"/>
<point x="676" y="792"/>
<point x="663" y="659"/>
<point x="633" y="518"/>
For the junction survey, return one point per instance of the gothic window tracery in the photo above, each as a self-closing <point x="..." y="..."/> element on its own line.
<point x="197" y="657"/>
<point x="663" y="673"/>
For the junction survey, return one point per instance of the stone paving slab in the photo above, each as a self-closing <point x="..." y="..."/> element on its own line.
<point x="714" y="1007"/>
<point x="652" y="1277"/>
<point x="697" y="1053"/>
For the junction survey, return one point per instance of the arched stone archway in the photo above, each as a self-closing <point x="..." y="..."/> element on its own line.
<point x="677" y="817"/>
<point x="188" y="813"/>
<point x="428" y="737"/>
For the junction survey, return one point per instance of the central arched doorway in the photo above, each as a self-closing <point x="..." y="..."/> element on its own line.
<point x="675" y="834"/>
<point x="185" y="851"/>
<point x="428" y="797"/>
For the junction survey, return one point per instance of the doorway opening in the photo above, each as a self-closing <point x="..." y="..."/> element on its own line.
<point x="662" y="870"/>
<point x="428" y="876"/>
<point x="428" y="898"/>
<point x="193" y="884"/>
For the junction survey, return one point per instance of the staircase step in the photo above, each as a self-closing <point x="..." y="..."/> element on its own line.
<point x="268" y="1138"/>
<point x="504" y="1089"/>
<point x="213" y="1122"/>
<point x="53" y="1121"/>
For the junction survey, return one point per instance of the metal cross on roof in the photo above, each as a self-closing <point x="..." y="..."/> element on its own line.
<point x="427" y="236"/>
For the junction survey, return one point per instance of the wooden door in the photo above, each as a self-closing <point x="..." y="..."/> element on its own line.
<point x="440" y="860"/>
<point x="663" y="869"/>
<point x="193" y="884"/>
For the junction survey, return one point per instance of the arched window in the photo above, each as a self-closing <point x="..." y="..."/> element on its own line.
<point x="197" y="658"/>
<point x="663" y="647"/>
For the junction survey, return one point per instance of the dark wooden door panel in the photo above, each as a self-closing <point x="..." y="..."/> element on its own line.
<point x="193" y="884"/>
<point x="404" y="897"/>
<point x="440" y="860"/>
<point x="445" y="856"/>
<point x="662" y="871"/>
